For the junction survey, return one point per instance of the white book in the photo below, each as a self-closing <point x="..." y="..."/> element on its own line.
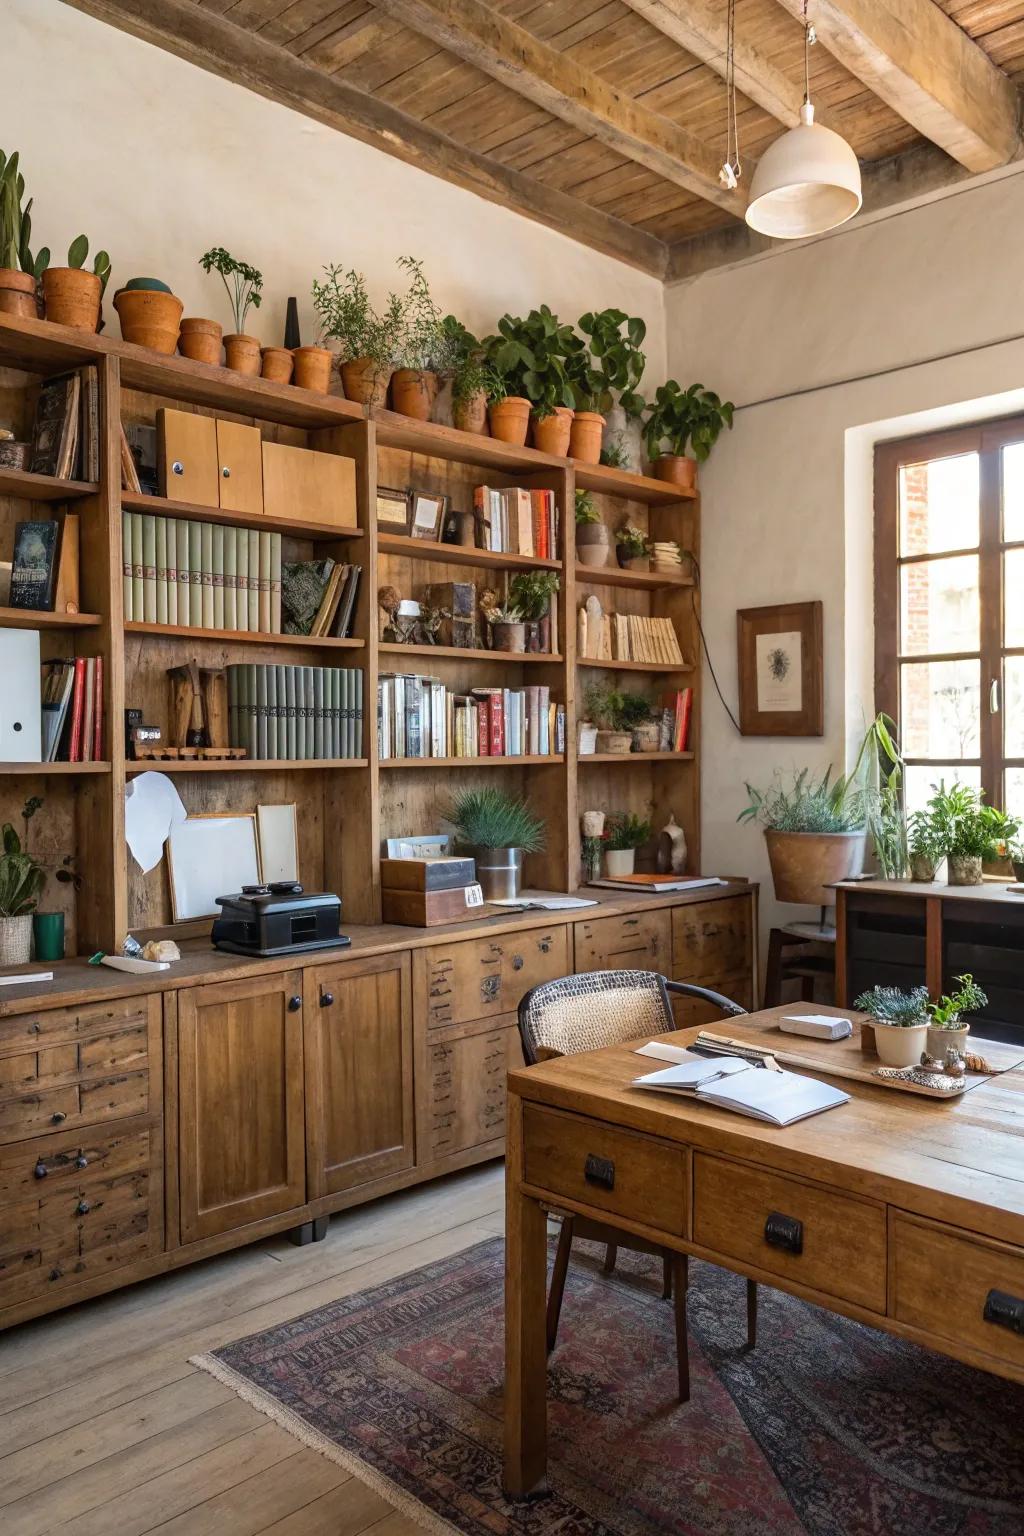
<point x="779" y="1098"/>
<point x="686" y="1076"/>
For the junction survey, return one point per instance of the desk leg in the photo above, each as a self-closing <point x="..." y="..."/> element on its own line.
<point x="525" y="1349"/>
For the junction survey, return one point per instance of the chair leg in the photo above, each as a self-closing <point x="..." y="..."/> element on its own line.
<point x="751" y="1314"/>
<point x="680" y="1278"/>
<point x="558" y="1274"/>
<point x="610" y="1255"/>
<point x="666" y="1277"/>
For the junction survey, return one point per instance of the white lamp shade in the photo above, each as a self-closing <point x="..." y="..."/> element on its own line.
<point x="808" y="181"/>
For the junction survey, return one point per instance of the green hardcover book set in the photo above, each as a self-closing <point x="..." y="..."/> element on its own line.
<point x="299" y="714"/>
<point x="201" y="575"/>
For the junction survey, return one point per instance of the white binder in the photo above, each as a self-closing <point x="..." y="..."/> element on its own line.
<point x="20" y="696"/>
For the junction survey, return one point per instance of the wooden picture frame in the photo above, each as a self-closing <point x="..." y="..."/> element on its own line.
<point x="392" y="509"/>
<point x="426" y="515"/>
<point x="781" y="670"/>
<point x="211" y="854"/>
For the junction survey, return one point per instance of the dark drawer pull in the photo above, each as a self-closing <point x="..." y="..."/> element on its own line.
<point x="83" y="1208"/>
<point x="294" y="1004"/>
<point x="40" y="1170"/>
<point x="326" y="999"/>
<point x="599" y="1170"/>
<point x="57" y="1116"/>
<point x="1005" y="1311"/>
<point x="784" y="1232"/>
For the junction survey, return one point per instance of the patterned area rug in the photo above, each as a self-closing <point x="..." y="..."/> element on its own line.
<point x="827" y="1428"/>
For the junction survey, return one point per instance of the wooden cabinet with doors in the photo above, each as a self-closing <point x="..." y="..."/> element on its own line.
<point x="240" y="1102"/>
<point x="359" y="1072"/>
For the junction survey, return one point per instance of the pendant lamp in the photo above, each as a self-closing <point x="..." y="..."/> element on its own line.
<point x="808" y="181"/>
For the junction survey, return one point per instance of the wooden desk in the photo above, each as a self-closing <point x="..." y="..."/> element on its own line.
<point x="911" y="1210"/>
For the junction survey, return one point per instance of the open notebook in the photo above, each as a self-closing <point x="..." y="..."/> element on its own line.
<point x="779" y="1097"/>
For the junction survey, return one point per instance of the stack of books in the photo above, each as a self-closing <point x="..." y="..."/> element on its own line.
<point x="72" y="710"/>
<point x="300" y="714"/>
<point x="200" y="575"/>
<point x="517" y="522"/>
<point x="626" y="637"/>
<point x="675" y="721"/>
<point x="420" y="717"/>
<point x="66" y="432"/>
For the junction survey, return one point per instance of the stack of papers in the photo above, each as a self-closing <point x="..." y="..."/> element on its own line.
<point x="778" y="1097"/>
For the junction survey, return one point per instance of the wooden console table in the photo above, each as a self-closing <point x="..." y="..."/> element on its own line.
<point x="908" y="1214"/>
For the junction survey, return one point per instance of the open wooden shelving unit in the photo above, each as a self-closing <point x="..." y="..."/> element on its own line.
<point x="345" y="809"/>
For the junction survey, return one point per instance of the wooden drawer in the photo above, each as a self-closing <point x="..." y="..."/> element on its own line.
<point x="748" y="1213"/>
<point x="640" y="941"/>
<point x="463" y="1098"/>
<point x="943" y="1282"/>
<point x="484" y="978"/>
<point x="58" y="1025"/>
<point x="71" y="1207"/>
<point x="617" y="1172"/>
<point x="689" y="1012"/>
<point x="100" y="1073"/>
<point x="713" y="938"/>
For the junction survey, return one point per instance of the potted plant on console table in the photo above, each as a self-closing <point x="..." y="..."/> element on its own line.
<point x="21" y="881"/>
<point x="499" y="830"/>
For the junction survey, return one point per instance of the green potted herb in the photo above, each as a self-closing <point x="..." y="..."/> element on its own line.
<point x="20" y="271"/>
<point x="414" y="383"/>
<point x="604" y="707"/>
<point x="73" y="296"/>
<point x="624" y="834"/>
<point x="900" y="1021"/>
<point x="926" y="847"/>
<point x="499" y="830"/>
<point x="462" y="365"/>
<point x="530" y="593"/>
<point x="614" y="341"/>
<point x="680" y="418"/>
<point x="948" y="1029"/>
<point x="508" y="629"/>
<point x="369" y="340"/>
<point x="632" y="548"/>
<point x="242" y="352"/>
<point x="21" y="882"/>
<point x="593" y="537"/>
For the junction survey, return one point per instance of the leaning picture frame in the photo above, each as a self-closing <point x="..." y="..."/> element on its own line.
<point x="426" y="514"/>
<point x="419" y="846"/>
<point x="392" y="509"/>
<point x="209" y="855"/>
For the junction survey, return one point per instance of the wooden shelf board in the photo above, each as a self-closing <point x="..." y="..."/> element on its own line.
<point x="457" y="653"/>
<point x="241" y="636"/>
<point x="440" y="442"/>
<point x="614" y="576"/>
<point x="635" y="666"/>
<point x="532" y="759"/>
<point x="163" y="506"/>
<point x="41" y="346"/>
<point x="179" y="378"/>
<point x="459" y="554"/>
<point x="19" y="482"/>
<point x="634" y="757"/>
<point x="607" y="481"/>
<point x="240" y="764"/>
<point x="60" y="768"/>
<point x="44" y="618"/>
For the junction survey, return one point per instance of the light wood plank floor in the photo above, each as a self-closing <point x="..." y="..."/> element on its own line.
<point x="106" y="1430"/>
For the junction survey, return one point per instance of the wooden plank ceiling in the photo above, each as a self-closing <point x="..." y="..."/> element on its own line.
<point x="607" y="120"/>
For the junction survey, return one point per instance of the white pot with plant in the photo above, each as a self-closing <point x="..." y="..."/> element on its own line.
<point x="21" y="881"/>
<point x="243" y="353"/>
<point x="900" y="1022"/>
<point x="624" y="834"/>
<point x="593" y="537"/>
<point x="948" y="1029"/>
<point x="611" y="366"/>
<point x="499" y="830"/>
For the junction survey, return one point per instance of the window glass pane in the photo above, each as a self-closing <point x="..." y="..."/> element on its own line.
<point x="1013" y="491"/>
<point x="920" y="781"/>
<point x="939" y="505"/>
<point x="939" y="606"/>
<point x="1013" y="706"/>
<point x="940" y="709"/>
<point x="1015" y="792"/>
<point x="1013" y="597"/>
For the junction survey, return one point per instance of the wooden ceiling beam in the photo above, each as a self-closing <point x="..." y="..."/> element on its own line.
<point x="918" y="61"/>
<point x="215" y="44"/>
<point x="555" y="82"/>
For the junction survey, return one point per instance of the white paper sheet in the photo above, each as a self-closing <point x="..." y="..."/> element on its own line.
<point x="152" y="806"/>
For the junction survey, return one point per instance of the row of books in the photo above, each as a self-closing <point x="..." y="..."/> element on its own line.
<point x="72" y="710"/>
<point x="517" y="522"/>
<point x="65" y="439"/>
<point x="420" y="717"/>
<point x="627" y="637"/>
<point x="296" y="713"/>
<point x="319" y="597"/>
<point x="202" y="575"/>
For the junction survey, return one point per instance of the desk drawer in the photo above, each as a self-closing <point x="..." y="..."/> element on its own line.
<point x="806" y="1233"/>
<point x="484" y="978"/>
<point x="945" y="1283"/>
<point x="712" y="938"/>
<point x="638" y="941"/>
<point x="617" y="1172"/>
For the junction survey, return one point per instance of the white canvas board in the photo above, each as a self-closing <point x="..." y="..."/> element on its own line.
<point x="279" y="842"/>
<point x="210" y="856"/>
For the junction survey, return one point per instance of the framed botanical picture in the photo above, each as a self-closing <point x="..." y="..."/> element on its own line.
<point x="392" y="509"/>
<point x="426" y="515"/>
<point x="781" y="670"/>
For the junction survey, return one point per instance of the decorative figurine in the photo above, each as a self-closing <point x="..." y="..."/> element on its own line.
<point x="672" y="847"/>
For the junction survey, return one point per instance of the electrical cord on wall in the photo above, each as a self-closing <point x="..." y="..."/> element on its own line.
<point x="703" y="639"/>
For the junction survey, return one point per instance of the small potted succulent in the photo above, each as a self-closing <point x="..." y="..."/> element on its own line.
<point x="20" y="271"/>
<point x="243" y="353"/>
<point x="614" y="340"/>
<point x="681" y="418"/>
<point x="21" y="882"/>
<point x="73" y="295"/>
<point x="925" y="846"/>
<point x="632" y="548"/>
<point x="499" y="830"/>
<point x="900" y="1021"/>
<point x="593" y="538"/>
<point x="624" y="834"/>
<point x="604" y="706"/>
<point x="530" y="594"/>
<point x="948" y="1029"/>
<point x="638" y="716"/>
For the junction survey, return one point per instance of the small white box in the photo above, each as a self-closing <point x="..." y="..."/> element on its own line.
<point x="20" y="697"/>
<point x="819" y="1026"/>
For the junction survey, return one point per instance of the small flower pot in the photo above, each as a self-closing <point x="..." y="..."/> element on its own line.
<point x="72" y="297"/>
<point x="312" y="369"/>
<point x="510" y="420"/>
<point x="677" y="470"/>
<point x="900" y="1046"/>
<point x="471" y="415"/>
<point x="18" y="294"/>
<point x="366" y="381"/>
<point x="16" y="940"/>
<point x="508" y="637"/>
<point x="942" y="1040"/>
<point x="593" y="543"/>
<point x="243" y="354"/>
<point x="620" y="742"/>
<point x="551" y="432"/>
<point x="585" y="437"/>
<point x="647" y="736"/>
<point x="413" y="392"/>
<point x="276" y="365"/>
<point x="619" y="862"/>
<point x="963" y="870"/>
<point x="149" y="318"/>
<point x="200" y="340"/>
<point x="922" y="868"/>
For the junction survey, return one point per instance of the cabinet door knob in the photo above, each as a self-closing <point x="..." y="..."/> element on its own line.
<point x="56" y="1274"/>
<point x="57" y="1116"/>
<point x="225" y="471"/>
<point x="40" y="1170"/>
<point x="326" y="999"/>
<point x="81" y="1161"/>
<point x="83" y="1208"/>
<point x="294" y="1004"/>
<point x="177" y="468"/>
<point x="517" y="962"/>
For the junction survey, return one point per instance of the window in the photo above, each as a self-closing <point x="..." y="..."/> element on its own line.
<point x="949" y="607"/>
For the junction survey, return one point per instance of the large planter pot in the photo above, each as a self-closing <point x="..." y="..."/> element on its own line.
<point x="806" y="864"/>
<point x="585" y="437"/>
<point x="619" y="862"/>
<point x="900" y="1046"/>
<point x="963" y="870"/>
<point x="16" y="939"/>
<point x="72" y="297"/>
<point x="647" y="736"/>
<point x="551" y="432"/>
<point x="677" y="471"/>
<point x="942" y="1040"/>
<point x="619" y="742"/>
<point x="200" y="340"/>
<point x="471" y="415"/>
<point x="149" y="318"/>
<point x="18" y="294"/>
<point x="413" y="392"/>
<point x="365" y="381"/>
<point x="276" y="365"/>
<point x="243" y="354"/>
<point x="499" y="872"/>
<point x="624" y="433"/>
<point x="508" y="637"/>
<point x="312" y="369"/>
<point x="510" y="420"/>
<point x="593" y="542"/>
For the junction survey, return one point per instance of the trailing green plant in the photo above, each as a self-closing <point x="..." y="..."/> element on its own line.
<point x="528" y="358"/>
<point x="16" y="222"/>
<point x="679" y="417"/>
<point x="460" y="358"/>
<point x="964" y="826"/>
<point x="604" y="706"/>
<point x="78" y="251"/>
<point x="586" y="507"/>
<point x="633" y="541"/>
<point x="806" y="804"/>
<point x="948" y="1012"/>
<point x="531" y="592"/>
<point x="245" y="288"/>
<point x="891" y="1005"/>
<point x="491" y="818"/>
<point x="626" y="831"/>
<point x="615" y="364"/>
<point x="21" y="877"/>
<point x="615" y="456"/>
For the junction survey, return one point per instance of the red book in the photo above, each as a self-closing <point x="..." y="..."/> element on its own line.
<point x="497" y="725"/>
<point x="483" y="719"/>
<point x="77" y="711"/>
<point x="685" y="710"/>
<point x="97" y="717"/>
<point x="538" y="512"/>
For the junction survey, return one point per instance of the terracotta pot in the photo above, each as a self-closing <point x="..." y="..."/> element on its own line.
<point x="963" y="870"/>
<point x="806" y="864"/>
<point x="677" y="470"/>
<point x="647" y="736"/>
<point x="313" y="369"/>
<point x="366" y="381"/>
<point x="201" y="340"/>
<point x="16" y="939"/>
<point x="413" y="392"/>
<point x="585" y="437"/>
<point x="277" y="365"/>
<point x="72" y="297"/>
<point x="619" y="742"/>
<point x="593" y="541"/>
<point x="942" y="1040"/>
<point x="243" y="354"/>
<point x="619" y="862"/>
<point x="18" y="294"/>
<point x="509" y="637"/>
<point x="551" y="433"/>
<point x="471" y="415"/>
<point x="149" y="318"/>
<point x="899" y="1045"/>
<point x="510" y="420"/>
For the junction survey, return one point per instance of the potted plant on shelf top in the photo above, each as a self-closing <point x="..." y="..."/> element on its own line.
<point x="593" y="537"/>
<point x="462" y="364"/>
<point x="149" y="313"/>
<point x="900" y="1022"/>
<point x="245" y="292"/>
<point x="949" y="1029"/>
<point x="530" y="593"/>
<point x="73" y="296"/>
<point x="614" y="341"/>
<point x="499" y="830"/>
<point x="414" y="383"/>
<point x="527" y="358"/>
<point x="679" y="418"/>
<point x="20" y="271"/>
<point x="632" y="548"/>
<point x="624" y="834"/>
<point x="370" y="341"/>
<point x="21" y="882"/>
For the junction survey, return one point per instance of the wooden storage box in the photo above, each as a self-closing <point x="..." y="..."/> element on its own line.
<point x="426" y="909"/>
<point x="308" y="486"/>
